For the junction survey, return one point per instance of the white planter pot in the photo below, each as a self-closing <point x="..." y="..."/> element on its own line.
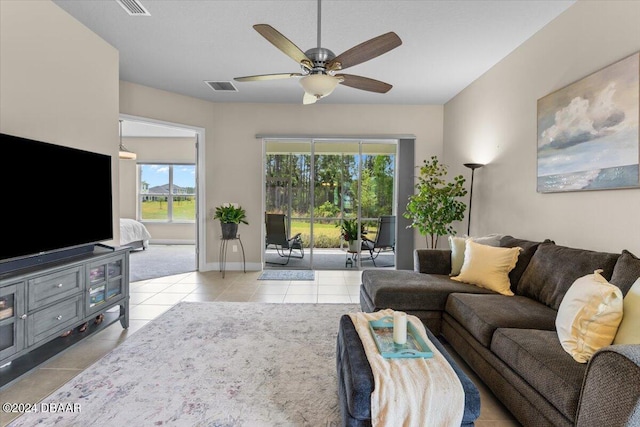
<point x="354" y="245"/>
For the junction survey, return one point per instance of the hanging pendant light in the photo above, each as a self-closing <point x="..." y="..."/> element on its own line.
<point x="125" y="154"/>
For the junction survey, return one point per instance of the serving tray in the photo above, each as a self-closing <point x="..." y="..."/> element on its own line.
<point x="382" y="332"/>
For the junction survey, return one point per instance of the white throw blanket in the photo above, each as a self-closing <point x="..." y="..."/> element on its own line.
<point x="410" y="392"/>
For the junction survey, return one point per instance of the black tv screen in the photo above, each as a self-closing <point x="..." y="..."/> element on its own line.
<point x="55" y="197"/>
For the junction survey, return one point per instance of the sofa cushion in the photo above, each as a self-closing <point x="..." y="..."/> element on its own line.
<point x="626" y="271"/>
<point x="410" y="291"/>
<point x="538" y="357"/>
<point x="488" y="267"/>
<point x="553" y="269"/>
<point x="528" y="249"/>
<point x="481" y="315"/>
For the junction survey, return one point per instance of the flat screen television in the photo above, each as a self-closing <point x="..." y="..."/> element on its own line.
<point x="56" y="199"/>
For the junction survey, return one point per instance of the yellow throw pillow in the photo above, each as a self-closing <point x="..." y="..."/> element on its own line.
<point x="589" y="316"/>
<point x="629" y="329"/>
<point x="488" y="267"/>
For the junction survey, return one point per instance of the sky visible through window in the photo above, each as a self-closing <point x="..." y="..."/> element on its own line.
<point x="155" y="175"/>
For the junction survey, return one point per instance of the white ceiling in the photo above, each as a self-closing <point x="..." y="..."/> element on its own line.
<point x="446" y="44"/>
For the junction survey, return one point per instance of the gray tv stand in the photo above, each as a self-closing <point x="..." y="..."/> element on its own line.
<point x="39" y="303"/>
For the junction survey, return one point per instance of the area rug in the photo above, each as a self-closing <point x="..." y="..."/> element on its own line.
<point x="160" y="261"/>
<point x="287" y="275"/>
<point x="213" y="364"/>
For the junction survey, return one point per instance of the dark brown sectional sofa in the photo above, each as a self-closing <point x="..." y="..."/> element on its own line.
<point x="511" y="341"/>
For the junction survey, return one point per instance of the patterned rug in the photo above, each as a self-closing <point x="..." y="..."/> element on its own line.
<point x="287" y="275"/>
<point x="213" y="364"/>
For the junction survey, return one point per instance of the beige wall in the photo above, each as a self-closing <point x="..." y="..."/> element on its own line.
<point x="58" y="82"/>
<point x="155" y="150"/>
<point x="494" y="121"/>
<point x="233" y="156"/>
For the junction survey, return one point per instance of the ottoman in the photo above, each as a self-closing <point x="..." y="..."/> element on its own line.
<point x="356" y="383"/>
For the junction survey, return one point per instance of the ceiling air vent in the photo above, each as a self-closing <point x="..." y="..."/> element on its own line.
<point x="222" y="86"/>
<point x="133" y="7"/>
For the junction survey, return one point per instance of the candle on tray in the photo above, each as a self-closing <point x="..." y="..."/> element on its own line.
<point x="399" y="327"/>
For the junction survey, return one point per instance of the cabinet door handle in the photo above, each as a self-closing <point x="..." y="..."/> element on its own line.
<point x="59" y="285"/>
<point x="59" y="317"/>
<point x="24" y="316"/>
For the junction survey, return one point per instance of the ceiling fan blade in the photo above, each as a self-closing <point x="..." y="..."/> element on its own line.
<point x="365" y="51"/>
<point x="284" y="44"/>
<point x="266" y="77"/>
<point x="309" y="99"/>
<point x="364" y="83"/>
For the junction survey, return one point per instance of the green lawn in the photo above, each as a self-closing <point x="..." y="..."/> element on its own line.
<point x="325" y="235"/>
<point x="182" y="210"/>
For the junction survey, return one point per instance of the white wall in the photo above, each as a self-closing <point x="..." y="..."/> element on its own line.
<point x="58" y="82"/>
<point x="234" y="156"/>
<point x="494" y="121"/>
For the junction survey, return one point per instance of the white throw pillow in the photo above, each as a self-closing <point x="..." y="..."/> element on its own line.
<point x="488" y="267"/>
<point x="589" y="316"/>
<point x="457" y="245"/>
<point x="629" y="329"/>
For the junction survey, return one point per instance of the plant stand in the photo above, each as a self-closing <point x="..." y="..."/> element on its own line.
<point x="224" y="243"/>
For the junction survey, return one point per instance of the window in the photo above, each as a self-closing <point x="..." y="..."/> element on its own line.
<point x="167" y="192"/>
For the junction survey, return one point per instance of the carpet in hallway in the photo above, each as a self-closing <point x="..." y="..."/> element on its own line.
<point x="160" y="261"/>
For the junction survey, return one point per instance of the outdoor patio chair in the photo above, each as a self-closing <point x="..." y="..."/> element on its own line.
<point x="277" y="236"/>
<point x="385" y="239"/>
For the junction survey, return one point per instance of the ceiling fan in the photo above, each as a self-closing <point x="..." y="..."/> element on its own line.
<point x="321" y="68"/>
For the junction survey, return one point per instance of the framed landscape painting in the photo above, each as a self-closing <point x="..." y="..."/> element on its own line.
<point x="588" y="135"/>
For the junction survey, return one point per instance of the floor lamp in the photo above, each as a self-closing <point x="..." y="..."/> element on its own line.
<point x="473" y="167"/>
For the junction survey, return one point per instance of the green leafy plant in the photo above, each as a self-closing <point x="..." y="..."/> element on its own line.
<point x="435" y="205"/>
<point x="349" y="229"/>
<point x="230" y="214"/>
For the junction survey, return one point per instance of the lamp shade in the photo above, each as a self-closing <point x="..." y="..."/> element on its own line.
<point x="319" y="85"/>
<point x="125" y="154"/>
<point x="473" y="166"/>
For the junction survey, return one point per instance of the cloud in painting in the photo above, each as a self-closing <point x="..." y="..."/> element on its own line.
<point x="583" y="120"/>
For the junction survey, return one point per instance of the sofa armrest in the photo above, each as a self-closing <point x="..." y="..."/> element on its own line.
<point x="611" y="391"/>
<point x="432" y="261"/>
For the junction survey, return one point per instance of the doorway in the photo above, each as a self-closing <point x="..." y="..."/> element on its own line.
<point x="162" y="190"/>
<point x="318" y="184"/>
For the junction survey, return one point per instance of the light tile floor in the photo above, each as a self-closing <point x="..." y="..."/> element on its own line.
<point x="150" y="298"/>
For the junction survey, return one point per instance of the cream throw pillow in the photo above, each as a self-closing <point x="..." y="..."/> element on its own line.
<point x="488" y="267"/>
<point x="629" y="329"/>
<point x="589" y="316"/>
<point x="457" y="245"/>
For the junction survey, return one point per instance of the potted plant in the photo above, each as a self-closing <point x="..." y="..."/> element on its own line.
<point x="230" y="216"/>
<point x="349" y="232"/>
<point x="435" y="205"/>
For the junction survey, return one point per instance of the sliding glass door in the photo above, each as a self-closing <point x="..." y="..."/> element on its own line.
<point x="319" y="183"/>
<point x="288" y="179"/>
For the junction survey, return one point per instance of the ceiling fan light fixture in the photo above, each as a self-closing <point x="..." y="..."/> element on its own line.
<point x="319" y="85"/>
